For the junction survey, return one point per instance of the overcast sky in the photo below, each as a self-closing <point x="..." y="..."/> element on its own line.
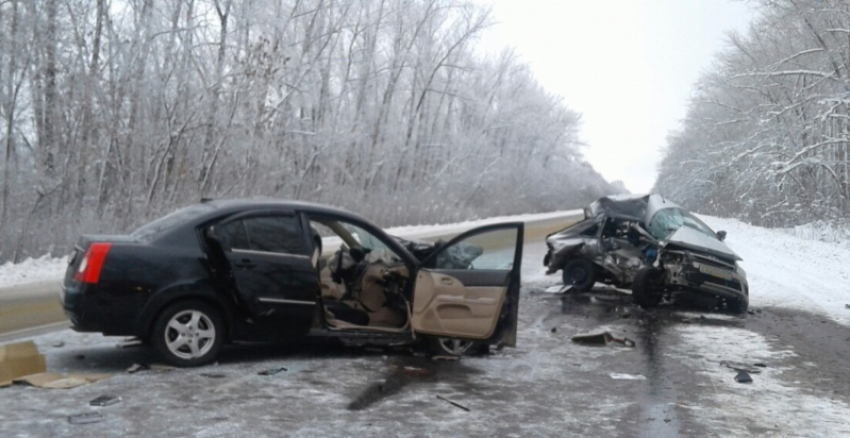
<point x="627" y="66"/>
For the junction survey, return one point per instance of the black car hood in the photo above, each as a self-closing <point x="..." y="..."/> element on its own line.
<point x="689" y="238"/>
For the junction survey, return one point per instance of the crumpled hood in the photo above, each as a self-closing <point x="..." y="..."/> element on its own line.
<point x="690" y="238"/>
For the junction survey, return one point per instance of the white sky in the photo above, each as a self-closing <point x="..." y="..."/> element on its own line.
<point x="626" y="65"/>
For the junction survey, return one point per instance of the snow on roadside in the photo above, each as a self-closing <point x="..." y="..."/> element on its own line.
<point x="31" y="270"/>
<point x="786" y="271"/>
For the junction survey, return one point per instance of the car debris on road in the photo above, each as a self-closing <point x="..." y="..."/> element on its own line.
<point x="601" y="338"/>
<point x="743" y="377"/>
<point x="85" y="418"/>
<point x="454" y="403"/>
<point x="105" y="400"/>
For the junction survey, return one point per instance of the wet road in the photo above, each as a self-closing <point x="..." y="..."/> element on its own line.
<point x="671" y="384"/>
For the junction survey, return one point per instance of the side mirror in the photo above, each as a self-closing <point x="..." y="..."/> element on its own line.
<point x="721" y="235"/>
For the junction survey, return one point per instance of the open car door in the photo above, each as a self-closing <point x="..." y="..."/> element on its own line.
<point x="469" y="288"/>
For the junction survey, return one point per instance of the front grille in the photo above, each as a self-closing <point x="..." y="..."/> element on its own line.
<point x="713" y="261"/>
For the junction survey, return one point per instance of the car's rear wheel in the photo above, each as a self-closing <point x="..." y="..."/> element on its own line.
<point x="647" y="289"/>
<point x="188" y="334"/>
<point x="579" y="273"/>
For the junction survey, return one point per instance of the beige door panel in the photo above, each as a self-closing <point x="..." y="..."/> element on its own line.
<point x="443" y="305"/>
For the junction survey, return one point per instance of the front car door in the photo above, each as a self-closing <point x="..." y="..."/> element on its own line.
<point x="274" y="277"/>
<point x="469" y="288"/>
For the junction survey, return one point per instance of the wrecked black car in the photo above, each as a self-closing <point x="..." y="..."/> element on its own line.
<point x="650" y="245"/>
<point x="248" y="270"/>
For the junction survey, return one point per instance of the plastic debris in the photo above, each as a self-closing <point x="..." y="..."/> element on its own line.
<point x="130" y="342"/>
<point x="445" y="358"/>
<point x="136" y="367"/>
<point x="415" y="372"/>
<point x="454" y="403"/>
<point x="88" y="417"/>
<point x="739" y="366"/>
<point x="743" y="377"/>
<point x="620" y="376"/>
<point x="603" y="338"/>
<point x="272" y="371"/>
<point x="105" y="400"/>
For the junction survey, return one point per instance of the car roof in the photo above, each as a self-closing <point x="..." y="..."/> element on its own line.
<point x="240" y="204"/>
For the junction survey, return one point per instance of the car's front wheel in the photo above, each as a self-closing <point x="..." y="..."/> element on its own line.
<point x="647" y="289"/>
<point x="450" y="347"/>
<point x="188" y="334"/>
<point x="579" y="273"/>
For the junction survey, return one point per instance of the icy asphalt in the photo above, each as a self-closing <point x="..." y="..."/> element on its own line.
<point x="670" y="385"/>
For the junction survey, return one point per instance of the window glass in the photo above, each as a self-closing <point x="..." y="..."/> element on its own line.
<point x="591" y="231"/>
<point x="278" y="234"/>
<point x="668" y="221"/>
<point x="490" y="250"/>
<point x="233" y="235"/>
<point x="169" y="222"/>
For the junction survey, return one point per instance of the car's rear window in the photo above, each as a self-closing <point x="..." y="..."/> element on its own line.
<point x="158" y="227"/>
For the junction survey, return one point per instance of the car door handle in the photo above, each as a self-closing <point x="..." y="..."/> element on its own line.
<point x="446" y="280"/>
<point x="245" y="263"/>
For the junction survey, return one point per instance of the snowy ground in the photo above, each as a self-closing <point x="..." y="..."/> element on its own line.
<point x="670" y="385"/>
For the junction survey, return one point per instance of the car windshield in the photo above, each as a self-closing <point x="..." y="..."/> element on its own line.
<point x="157" y="227"/>
<point x="669" y="220"/>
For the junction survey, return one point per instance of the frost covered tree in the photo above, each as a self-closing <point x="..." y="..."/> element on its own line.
<point x="114" y="112"/>
<point x="766" y="135"/>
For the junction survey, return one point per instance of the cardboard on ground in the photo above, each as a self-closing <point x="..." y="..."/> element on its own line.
<point x="22" y="363"/>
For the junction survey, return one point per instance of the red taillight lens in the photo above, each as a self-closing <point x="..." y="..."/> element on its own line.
<point x="92" y="263"/>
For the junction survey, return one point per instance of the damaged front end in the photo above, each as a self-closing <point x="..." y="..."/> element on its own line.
<point x="712" y="277"/>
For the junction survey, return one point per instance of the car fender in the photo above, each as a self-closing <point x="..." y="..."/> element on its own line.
<point x="196" y="290"/>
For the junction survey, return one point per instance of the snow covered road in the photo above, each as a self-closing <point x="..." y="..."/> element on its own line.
<point x="670" y="385"/>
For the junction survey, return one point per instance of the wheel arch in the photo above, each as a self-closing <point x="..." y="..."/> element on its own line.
<point x="183" y="292"/>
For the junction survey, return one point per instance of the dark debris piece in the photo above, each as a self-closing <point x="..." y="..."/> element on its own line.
<point x="88" y="417"/>
<point x="272" y="371"/>
<point x="743" y="377"/>
<point x="105" y="400"/>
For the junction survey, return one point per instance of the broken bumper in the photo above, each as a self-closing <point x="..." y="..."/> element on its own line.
<point x="704" y="278"/>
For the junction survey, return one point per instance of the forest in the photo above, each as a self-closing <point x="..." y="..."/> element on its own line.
<point x="767" y="134"/>
<point x="115" y="112"/>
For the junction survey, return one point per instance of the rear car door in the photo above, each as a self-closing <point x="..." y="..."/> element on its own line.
<point x="469" y="288"/>
<point x="274" y="277"/>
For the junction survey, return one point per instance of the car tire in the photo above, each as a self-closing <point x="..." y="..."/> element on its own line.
<point x="646" y="290"/>
<point x="188" y="334"/>
<point x="579" y="273"/>
<point x="451" y="347"/>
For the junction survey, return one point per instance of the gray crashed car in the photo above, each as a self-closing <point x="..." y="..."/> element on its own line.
<point x="652" y="246"/>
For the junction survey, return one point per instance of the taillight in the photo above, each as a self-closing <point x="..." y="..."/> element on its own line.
<point x="92" y="263"/>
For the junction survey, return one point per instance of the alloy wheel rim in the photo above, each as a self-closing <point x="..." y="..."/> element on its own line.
<point x="455" y="346"/>
<point x="190" y="334"/>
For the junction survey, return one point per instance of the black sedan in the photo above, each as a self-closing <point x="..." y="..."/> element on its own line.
<point x="247" y="270"/>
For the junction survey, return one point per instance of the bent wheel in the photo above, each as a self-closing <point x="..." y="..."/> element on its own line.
<point x="647" y="289"/>
<point x="579" y="273"/>
<point x="188" y="333"/>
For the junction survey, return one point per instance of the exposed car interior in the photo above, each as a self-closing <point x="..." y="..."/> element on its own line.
<point x="362" y="281"/>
